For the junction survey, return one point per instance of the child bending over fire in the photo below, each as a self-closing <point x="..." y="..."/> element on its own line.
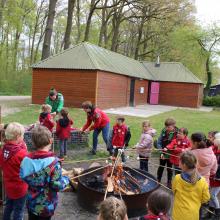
<point x="112" y="208"/>
<point x="158" y="206"/>
<point x="120" y="137"/>
<point x="145" y="144"/>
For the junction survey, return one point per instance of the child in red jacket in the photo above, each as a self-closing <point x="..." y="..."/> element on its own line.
<point x="63" y="131"/>
<point x="11" y="156"/>
<point x="118" y="140"/>
<point x="177" y="146"/>
<point x="45" y="117"/>
<point x="215" y="179"/>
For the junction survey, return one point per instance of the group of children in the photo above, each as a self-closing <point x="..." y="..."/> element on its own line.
<point x="63" y="126"/>
<point x="36" y="177"/>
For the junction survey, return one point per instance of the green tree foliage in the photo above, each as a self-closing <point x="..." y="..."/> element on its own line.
<point x="141" y="29"/>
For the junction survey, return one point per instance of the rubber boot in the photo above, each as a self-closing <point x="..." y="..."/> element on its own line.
<point x="217" y="212"/>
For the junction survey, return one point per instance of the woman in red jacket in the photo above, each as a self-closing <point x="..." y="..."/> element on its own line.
<point x="98" y="121"/>
<point x="63" y="131"/>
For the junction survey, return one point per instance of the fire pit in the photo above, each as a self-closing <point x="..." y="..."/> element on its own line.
<point x="126" y="182"/>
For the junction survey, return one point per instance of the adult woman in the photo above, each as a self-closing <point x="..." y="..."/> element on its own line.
<point x="97" y="121"/>
<point x="55" y="100"/>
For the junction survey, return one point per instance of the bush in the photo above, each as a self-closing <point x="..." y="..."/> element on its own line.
<point x="212" y="101"/>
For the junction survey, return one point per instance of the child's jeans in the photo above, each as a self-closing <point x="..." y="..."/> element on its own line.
<point x="143" y="163"/>
<point x="214" y="191"/>
<point x="31" y="216"/>
<point x="63" y="146"/>
<point x="165" y="162"/>
<point x="115" y="153"/>
<point x="16" y="206"/>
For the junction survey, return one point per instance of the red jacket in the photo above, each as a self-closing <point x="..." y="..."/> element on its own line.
<point x="99" y="119"/>
<point x="213" y="181"/>
<point x="63" y="128"/>
<point x="118" y="135"/>
<point x="177" y="147"/>
<point x="46" y="120"/>
<point x="11" y="156"/>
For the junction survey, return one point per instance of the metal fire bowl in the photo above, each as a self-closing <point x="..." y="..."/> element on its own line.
<point x="90" y="198"/>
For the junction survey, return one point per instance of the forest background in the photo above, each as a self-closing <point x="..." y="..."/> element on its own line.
<point x="32" y="30"/>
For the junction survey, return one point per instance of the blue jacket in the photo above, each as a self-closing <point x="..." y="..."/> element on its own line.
<point x="42" y="172"/>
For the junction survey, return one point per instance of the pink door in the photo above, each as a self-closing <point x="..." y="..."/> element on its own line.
<point x="154" y="93"/>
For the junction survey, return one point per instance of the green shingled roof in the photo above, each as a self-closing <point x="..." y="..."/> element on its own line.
<point x="171" y="72"/>
<point x="88" y="56"/>
<point x="91" y="57"/>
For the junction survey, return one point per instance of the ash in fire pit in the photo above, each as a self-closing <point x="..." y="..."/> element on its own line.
<point x="132" y="184"/>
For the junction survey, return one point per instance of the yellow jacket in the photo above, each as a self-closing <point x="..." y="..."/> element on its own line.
<point x="188" y="198"/>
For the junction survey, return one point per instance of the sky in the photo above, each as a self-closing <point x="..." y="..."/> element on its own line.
<point x="208" y="11"/>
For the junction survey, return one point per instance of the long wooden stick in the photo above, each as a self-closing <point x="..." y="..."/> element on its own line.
<point x="80" y="161"/>
<point x="92" y="171"/>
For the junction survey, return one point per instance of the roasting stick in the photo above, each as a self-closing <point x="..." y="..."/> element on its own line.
<point x="155" y="149"/>
<point x="79" y="161"/>
<point x="92" y="171"/>
<point x="116" y="161"/>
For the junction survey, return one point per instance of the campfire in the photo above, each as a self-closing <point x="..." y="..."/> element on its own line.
<point x="132" y="185"/>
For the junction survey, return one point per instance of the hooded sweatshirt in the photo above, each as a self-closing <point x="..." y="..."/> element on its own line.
<point x="42" y="172"/>
<point x="11" y="156"/>
<point x="188" y="197"/>
<point x="45" y="119"/>
<point x="145" y="144"/>
<point x="63" y="128"/>
<point x="206" y="162"/>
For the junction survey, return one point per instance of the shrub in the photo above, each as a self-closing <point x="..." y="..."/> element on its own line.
<point x="212" y="101"/>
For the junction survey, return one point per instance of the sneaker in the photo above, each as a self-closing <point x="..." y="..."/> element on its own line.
<point x="93" y="152"/>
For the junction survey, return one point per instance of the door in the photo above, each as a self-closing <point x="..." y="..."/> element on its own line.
<point x="154" y="93"/>
<point x="132" y="87"/>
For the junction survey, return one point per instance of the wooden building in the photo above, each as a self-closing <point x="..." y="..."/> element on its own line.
<point x="109" y="79"/>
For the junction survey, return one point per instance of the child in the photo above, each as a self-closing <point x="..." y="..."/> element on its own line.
<point x="177" y="146"/>
<point x="211" y="138"/>
<point x="158" y="206"/>
<point x="45" y="117"/>
<point x="63" y="130"/>
<point x="189" y="188"/>
<point x="215" y="179"/>
<point x="42" y="172"/>
<point x="167" y="135"/>
<point x="112" y="208"/>
<point x="207" y="163"/>
<point x="11" y="155"/>
<point x="145" y="145"/>
<point x="118" y="139"/>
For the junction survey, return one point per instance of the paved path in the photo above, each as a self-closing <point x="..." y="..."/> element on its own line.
<point x="149" y="110"/>
<point x="11" y="104"/>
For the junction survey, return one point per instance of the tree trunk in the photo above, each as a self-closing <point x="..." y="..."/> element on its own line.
<point x="89" y="20"/>
<point x="71" y="4"/>
<point x="209" y="77"/>
<point x="49" y="30"/>
<point x="78" y="21"/>
<point x="103" y="25"/>
<point x="2" y="6"/>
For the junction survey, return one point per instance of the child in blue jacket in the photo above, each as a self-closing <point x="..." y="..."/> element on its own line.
<point x="41" y="170"/>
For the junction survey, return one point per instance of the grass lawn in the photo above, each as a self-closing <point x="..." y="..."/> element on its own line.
<point x="193" y="120"/>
